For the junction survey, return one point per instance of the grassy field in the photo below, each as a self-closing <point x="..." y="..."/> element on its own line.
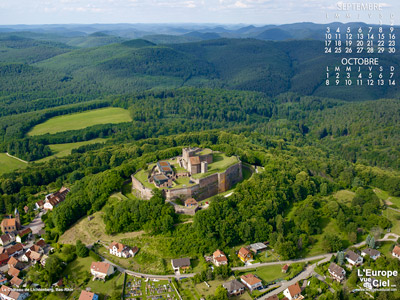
<point x="390" y="200"/>
<point x="220" y="163"/>
<point x="79" y="270"/>
<point x="8" y="164"/>
<point x="61" y="150"/>
<point x="111" y="115"/>
<point x="328" y="227"/>
<point x="142" y="177"/>
<point x="344" y="196"/>
<point x="394" y="217"/>
<point x="93" y="230"/>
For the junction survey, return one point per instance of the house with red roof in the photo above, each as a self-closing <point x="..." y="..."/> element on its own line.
<point x="219" y="258"/>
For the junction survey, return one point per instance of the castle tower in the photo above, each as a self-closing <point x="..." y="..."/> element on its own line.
<point x="17" y="219"/>
<point x="204" y="167"/>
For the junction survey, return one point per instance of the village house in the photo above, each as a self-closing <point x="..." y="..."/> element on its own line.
<point x="245" y="255"/>
<point x="180" y="264"/>
<point x="52" y="200"/>
<point x="373" y="253"/>
<point x="337" y="272"/>
<point x="32" y="255"/>
<point x="39" y="204"/>
<point x="219" y="258"/>
<point x="285" y="268"/>
<point x="41" y="243"/>
<point x="234" y="288"/>
<point x="15" y="250"/>
<point x="9" y="224"/>
<point x="23" y="235"/>
<point x="85" y="295"/>
<point x="3" y="280"/>
<point x="4" y="259"/>
<point x="121" y="250"/>
<point x="43" y="260"/>
<point x="36" y="248"/>
<point x="100" y="270"/>
<point x="258" y="248"/>
<point x="13" y="272"/>
<point x="396" y="252"/>
<point x="15" y="281"/>
<point x="353" y="258"/>
<point x="251" y="281"/>
<point x="7" y="239"/>
<point x="293" y="292"/>
<point x="7" y="293"/>
<point x="273" y="297"/>
<point x="190" y="202"/>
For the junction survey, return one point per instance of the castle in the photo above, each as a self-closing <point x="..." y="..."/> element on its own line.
<point x="193" y="161"/>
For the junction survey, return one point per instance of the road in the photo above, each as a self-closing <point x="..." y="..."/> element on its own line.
<point x="37" y="224"/>
<point x="283" y="262"/>
<point x="12" y="156"/>
<point x="389" y="237"/>
<point x="309" y="271"/>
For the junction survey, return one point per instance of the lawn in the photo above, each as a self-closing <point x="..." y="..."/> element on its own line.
<point x="61" y="150"/>
<point x="142" y="177"/>
<point x="390" y="200"/>
<point x="220" y="163"/>
<point x="78" y="271"/>
<point x="9" y="164"/>
<point x="394" y="217"/>
<point x="111" y="115"/>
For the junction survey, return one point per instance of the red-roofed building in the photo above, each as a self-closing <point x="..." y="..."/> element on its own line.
<point x="101" y="269"/>
<point x="396" y="252"/>
<point x="219" y="258"/>
<point x="293" y="292"/>
<point x="122" y="250"/>
<point x="251" y="281"/>
<point x="245" y="255"/>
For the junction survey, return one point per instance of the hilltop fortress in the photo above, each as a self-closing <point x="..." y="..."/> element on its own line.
<point x="198" y="173"/>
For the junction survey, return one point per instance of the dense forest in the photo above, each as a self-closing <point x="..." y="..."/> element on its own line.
<point x="261" y="100"/>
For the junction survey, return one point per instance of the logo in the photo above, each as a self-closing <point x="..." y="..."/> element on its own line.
<point x="377" y="280"/>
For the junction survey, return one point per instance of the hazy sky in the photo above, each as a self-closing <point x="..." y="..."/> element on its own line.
<point x="177" y="11"/>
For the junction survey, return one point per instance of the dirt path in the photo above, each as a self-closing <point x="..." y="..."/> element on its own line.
<point x="21" y="160"/>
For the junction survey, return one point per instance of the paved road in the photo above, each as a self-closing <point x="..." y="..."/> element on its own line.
<point x="389" y="237"/>
<point x="37" y="224"/>
<point x="283" y="262"/>
<point x="303" y="275"/>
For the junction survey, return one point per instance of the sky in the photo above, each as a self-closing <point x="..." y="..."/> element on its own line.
<point x="181" y="11"/>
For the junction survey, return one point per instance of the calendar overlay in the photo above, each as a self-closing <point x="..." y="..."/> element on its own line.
<point x="359" y="52"/>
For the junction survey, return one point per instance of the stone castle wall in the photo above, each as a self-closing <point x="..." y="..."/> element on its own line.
<point x="139" y="189"/>
<point x="203" y="189"/>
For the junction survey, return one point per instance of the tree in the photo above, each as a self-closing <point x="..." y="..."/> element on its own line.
<point x="340" y="257"/>
<point x="81" y="249"/>
<point x="368" y="239"/>
<point x="220" y="293"/>
<point x="372" y="243"/>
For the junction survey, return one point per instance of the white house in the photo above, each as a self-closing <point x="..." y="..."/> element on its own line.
<point x="293" y="292"/>
<point x="374" y="254"/>
<point x="219" y="258"/>
<point x="338" y="273"/>
<point x="121" y="250"/>
<point x="101" y="269"/>
<point x="234" y="287"/>
<point x="353" y="258"/>
<point x="251" y="281"/>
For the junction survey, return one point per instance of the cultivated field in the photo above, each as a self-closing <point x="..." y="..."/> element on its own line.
<point x="8" y="164"/>
<point x="110" y="115"/>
